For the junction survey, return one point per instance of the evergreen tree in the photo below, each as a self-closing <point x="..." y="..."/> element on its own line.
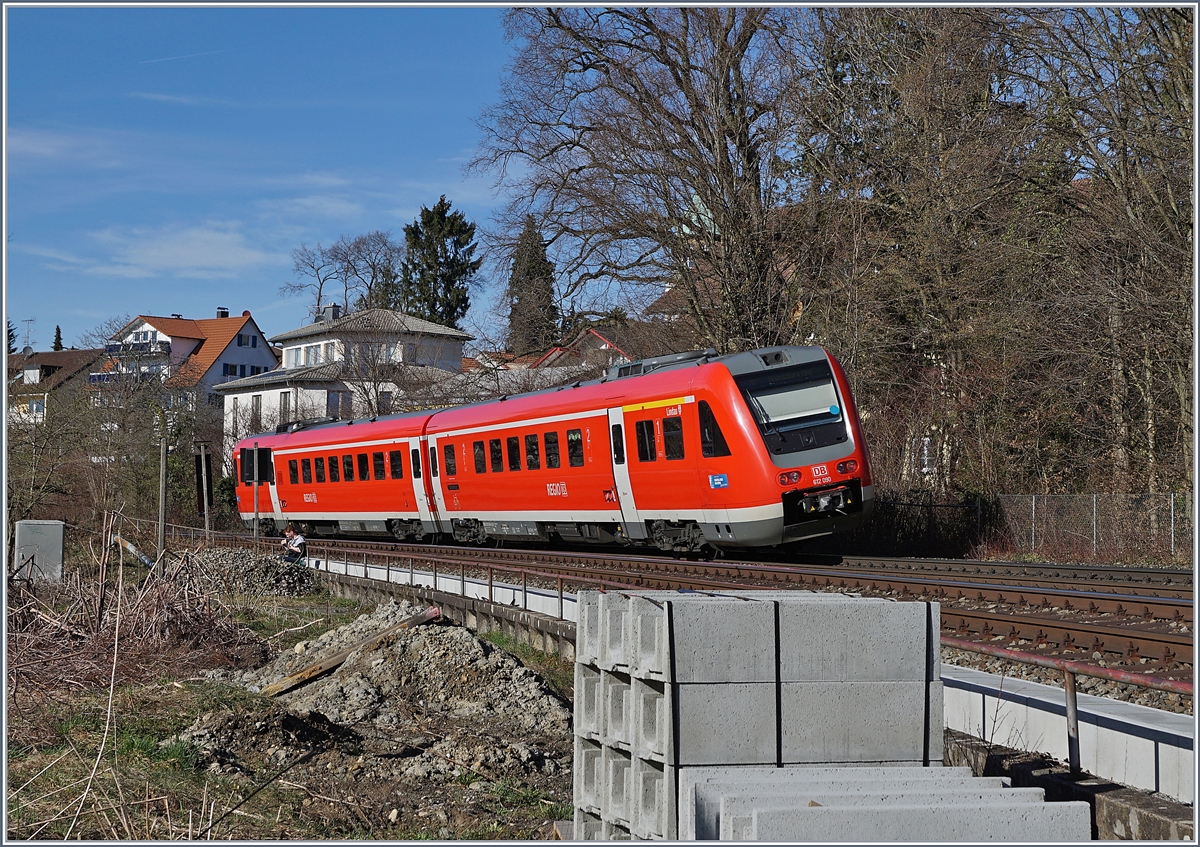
<point x="57" y="345"/>
<point x="12" y="337"/>
<point x="532" y="312"/>
<point x="437" y="272"/>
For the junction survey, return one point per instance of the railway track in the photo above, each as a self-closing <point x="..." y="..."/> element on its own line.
<point x="1139" y="618"/>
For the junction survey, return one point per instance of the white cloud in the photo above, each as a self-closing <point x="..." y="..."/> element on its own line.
<point x="209" y="251"/>
<point x="181" y="99"/>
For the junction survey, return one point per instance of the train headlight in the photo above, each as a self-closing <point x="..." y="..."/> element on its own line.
<point x="848" y="466"/>
<point x="789" y="477"/>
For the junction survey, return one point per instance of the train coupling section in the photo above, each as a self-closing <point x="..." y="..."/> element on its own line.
<point x="800" y="506"/>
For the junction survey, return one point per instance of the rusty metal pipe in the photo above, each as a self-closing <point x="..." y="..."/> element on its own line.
<point x="1158" y="683"/>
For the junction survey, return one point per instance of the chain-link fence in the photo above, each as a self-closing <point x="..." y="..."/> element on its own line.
<point x="1101" y="528"/>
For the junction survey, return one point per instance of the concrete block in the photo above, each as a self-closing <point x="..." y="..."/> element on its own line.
<point x="726" y="724"/>
<point x="587" y="826"/>
<point x="736" y="817"/>
<point x="588" y="776"/>
<point x="842" y="641"/>
<point x="616" y="709"/>
<point x="651" y="720"/>
<point x="932" y="822"/>
<point x="858" y="721"/>
<point x="589" y="707"/>
<point x="615" y="631"/>
<point x="649" y="653"/>
<point x="610" y="831"/>
<point x="617" y="788"/>
<point x="587" y="627"/>
<point x="723" y="639"/>
<point x="692" y="797"/>
<point x="654" y="803"/>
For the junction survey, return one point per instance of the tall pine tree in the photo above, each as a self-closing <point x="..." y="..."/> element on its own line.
<point x="532" y="311"/>
<point x="57" y="345"/>
<point x="439" y="268"/>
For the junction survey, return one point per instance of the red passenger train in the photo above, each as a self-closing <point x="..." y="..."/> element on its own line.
<point x="688" y="453"/>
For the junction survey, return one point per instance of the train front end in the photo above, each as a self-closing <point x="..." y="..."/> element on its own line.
<point x="811" y="436"/>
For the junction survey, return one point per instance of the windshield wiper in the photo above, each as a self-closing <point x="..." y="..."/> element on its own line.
<point x="764" y="419"/>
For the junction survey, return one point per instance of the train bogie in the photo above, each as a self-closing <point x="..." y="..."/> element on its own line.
<point x="684" y="453"/>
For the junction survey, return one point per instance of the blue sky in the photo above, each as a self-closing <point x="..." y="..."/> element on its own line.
<point x="164" y="160"/>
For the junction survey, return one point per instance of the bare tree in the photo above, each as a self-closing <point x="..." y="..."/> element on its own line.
<point x="368" y="267"/>
<point x="644" y="142"/>
<point x="314" y="268"/>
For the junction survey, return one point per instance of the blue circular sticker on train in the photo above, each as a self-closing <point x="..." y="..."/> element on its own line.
<point x="833" y="410"/>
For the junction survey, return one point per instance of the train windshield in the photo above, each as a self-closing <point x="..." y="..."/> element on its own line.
<point x="797" y="408"/>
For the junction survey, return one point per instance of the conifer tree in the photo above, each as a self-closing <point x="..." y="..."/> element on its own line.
<point x="532" y="314"/>
<point x="57" y="345"/>
<point x="439" y="268"/>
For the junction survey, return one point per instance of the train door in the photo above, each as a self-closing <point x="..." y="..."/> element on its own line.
<point x="437" y="506"/>
<point x="635" y="528"/>
<point x="423" y="485"/>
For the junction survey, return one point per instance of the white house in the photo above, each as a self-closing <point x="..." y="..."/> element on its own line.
<point x="342" y="366"/>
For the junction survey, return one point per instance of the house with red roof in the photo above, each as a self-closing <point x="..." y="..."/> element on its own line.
<point x="187" y="355"/>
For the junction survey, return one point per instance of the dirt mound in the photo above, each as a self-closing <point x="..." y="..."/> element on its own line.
<point x="430" y="730"/>
<point x="243" y="572"/>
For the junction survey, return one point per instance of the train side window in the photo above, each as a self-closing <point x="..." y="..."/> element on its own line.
<point x="348" y="467"/>
<point x="533" y="456"/>
<point x="396" y="460"/>
<point x="364" y="467"/>
<point x="451" y="459"/>
<point x="416" y="462"/>
<point x="575" y="448"/>
<point x="514" y="453"/>
<point x="497" y="455"/>
<point x="618" y="444"/>
<point x="712" y="440"/>
<point x="333" y="469"/>
<point x="433" y="460"/>
<point x="645" y="441"/>
<point x="378" y="465"/>
<point x="319" y="468"/>
<point x="673" y="438"/>
<point x="306" y="471"/>
<point x="293" y="472"/>
<point x="480" y="457"/>
<point x="551" y="439"/>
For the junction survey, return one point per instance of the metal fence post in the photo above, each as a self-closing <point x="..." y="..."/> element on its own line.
<point x="462" y="583"/>
<point x="490" y="584"/>
<point x="524" y="590"/>
<point x="560" y="599"/>
<point x="411" y="577"/>
<point x="1093" y="524"/>
<point x="1032" y="522"/>
<point x="1072" y="721"/>
<point x="1172" y="524"/>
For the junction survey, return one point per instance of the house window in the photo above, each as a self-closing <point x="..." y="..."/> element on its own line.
<point x="242" y="370"/>
<point x="256" y="412"/>
<point x="233" y="413"/>
<point x="310" y="354"/>
<point x="328" y="351"/>
<point x="254" y="341"/>
<point x="339" y="404"/>
<point x="385" y="402"/>
<point x="285" y="406"/>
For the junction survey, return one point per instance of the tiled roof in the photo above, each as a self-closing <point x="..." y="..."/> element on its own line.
<point x="327" y="372"/>
<point x="372" y="321"/>
<point x="214" y="334"/>
<point x="67" y="363"/>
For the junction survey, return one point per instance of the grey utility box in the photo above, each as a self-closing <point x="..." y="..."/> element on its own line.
<point x="39" y="552"/>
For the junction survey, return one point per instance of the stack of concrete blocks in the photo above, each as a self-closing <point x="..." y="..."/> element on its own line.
<point x="870" y="804"/>
<point x="668" y="682"/>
